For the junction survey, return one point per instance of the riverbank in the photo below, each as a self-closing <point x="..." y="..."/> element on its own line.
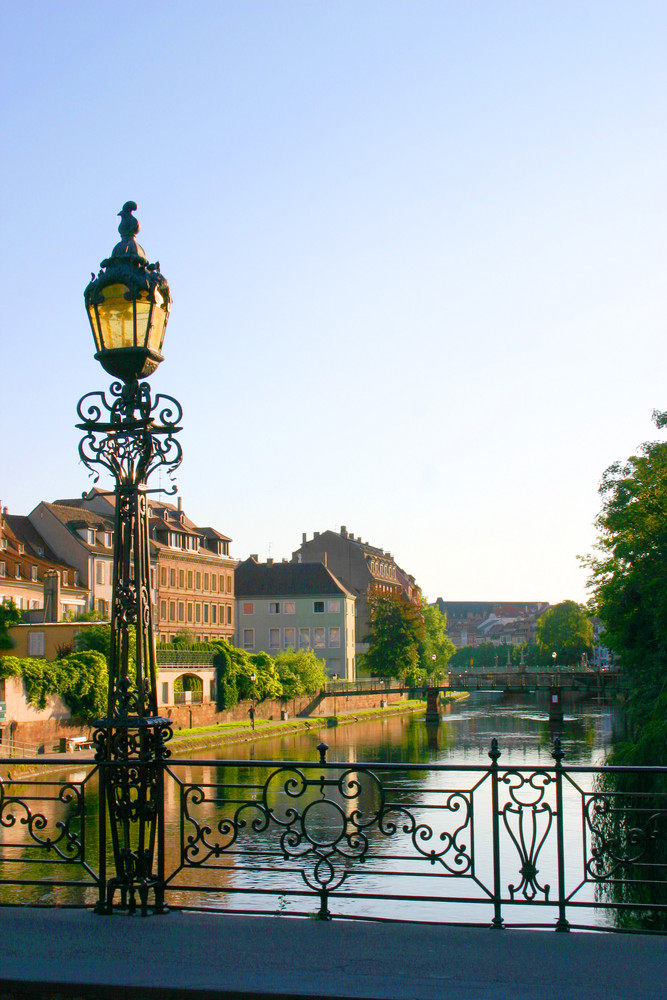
<point x="186" y="741"/>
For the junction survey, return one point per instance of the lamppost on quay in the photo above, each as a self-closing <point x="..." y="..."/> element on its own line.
<point x="130" y="434"/>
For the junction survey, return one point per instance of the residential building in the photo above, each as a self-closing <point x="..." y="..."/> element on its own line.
<point x="192" y="573"/>
<point x="361" y="568"/>
<point x="83" y="539"/>
<point x="195" y="576"/>
<point x="42" y="586"/>
<point x="290" y="605"/>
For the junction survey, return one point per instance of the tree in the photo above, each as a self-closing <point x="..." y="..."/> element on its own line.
<point x="397" y="631"/>
<point x="565" y="629"/>
<point x="437" y="648"/>
<point x="629" y="585"/>
<point x="9" y="615"/>
<point x="300" y="671"/>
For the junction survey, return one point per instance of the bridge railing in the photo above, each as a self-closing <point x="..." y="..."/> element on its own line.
<point x="550" y="845"/>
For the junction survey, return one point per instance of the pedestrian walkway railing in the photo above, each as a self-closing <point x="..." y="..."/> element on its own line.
<point x="553" y="845"/>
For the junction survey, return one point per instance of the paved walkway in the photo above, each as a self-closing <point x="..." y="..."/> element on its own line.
<point x="73" y="954"/>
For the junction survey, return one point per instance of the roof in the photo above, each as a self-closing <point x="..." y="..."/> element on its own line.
<point x="278" y="579"/>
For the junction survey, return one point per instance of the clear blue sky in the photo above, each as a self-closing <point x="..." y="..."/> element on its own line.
<point x="417" y="252"/>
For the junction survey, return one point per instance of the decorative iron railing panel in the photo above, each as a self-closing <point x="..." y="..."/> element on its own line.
<point x="547" y="845"/>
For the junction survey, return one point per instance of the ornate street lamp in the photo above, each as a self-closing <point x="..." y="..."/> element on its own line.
<point x="130" y="434"/>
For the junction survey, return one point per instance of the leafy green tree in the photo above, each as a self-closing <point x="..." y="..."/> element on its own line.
<point x="397" y="632"/>
<point x="9" y="615"/>
<point x="301" y="672"/>
<point x="629" y="588"/>
<point x="436" y="648"/>
<point x="565" y="629"/>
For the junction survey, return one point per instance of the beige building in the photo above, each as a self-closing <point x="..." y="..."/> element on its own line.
<point x="41" y="585"/>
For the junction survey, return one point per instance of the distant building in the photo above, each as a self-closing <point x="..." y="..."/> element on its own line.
<point x="502" y="623"/>
<point x="296" y="606"/>
<point x="361" y="568"/>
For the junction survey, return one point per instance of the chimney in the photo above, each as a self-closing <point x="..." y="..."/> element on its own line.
<point x="343" y="531"/>
<point x="179" y="502"/>
<point x="51" y="596"/>
<point x="304" y="537"/>
<point x="316" y="534"/>
<point x="269" y="562"/>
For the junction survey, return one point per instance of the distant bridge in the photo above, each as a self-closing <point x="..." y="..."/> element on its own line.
<point x="588" y="681"/>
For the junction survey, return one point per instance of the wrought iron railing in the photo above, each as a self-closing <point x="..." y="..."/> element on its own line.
<point x="548" y="845"/>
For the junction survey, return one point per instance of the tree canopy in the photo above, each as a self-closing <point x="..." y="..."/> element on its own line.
<point x="629" y="582"/>
<point x="397" y="632"/>
<point x="9" y="615"/>
<point x="565" y="629"/>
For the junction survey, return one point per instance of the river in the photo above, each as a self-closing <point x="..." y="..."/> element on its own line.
<point x="233" y="863"/>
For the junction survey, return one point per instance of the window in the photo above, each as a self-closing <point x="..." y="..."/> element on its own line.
<point x="197" y="612"/>
<point x="17" y="572"/>
<point x="334" y="607"/>
<point x="205" y="612"/>
<point x="163" y="610"/>
<point x="214" y="582"/>
<point x="36" y="643"/>
<point x="289" y="607"/>
<point x="91" y="536"/>
<point x="229" y="614"/>
<point x="334" y="636"/>
<point x="34" y="575"/>
<point x="274" y="607"/>
<point x="222" y="583"/>
<point x="249" y="608"/>
<point x="189" y="579"/>
<point x="100" y="572"/>
<point x="189" y="612"/>
<point x="181" y="611"/>
<point x="214" y="614"/>
<point x="107" y="539"/>
<point x="3" y="568"/>
<point x="172" y="577"/>
<point x="229" y="583"/>
<point x="163" y="576"/>
<point x="319" y="638"/>
<point x="206" y="578"/>
<point x="290" y="638"/>
<point x="172" y="611"/>
<point x="318" y="607"/>
<point x="248" y="638"/>
<point x="181" y="578"/>
<point x="304" y="638"/>
<point x="198" y="581"/>
<point x="274" y="638"/>
<point x="65" y="576"/>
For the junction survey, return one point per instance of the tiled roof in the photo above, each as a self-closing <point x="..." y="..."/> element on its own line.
<point x="296" y="579"/>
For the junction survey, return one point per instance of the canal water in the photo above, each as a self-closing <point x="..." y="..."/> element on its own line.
<point x="232" y="867"/>
<point x="463" y="738"/>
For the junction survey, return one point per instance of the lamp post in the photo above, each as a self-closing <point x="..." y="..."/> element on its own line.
<point x="130" y="434"/>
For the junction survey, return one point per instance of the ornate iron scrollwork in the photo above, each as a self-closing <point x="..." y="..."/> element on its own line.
<point x="324" y="821"/>
<point x="528" y="818"/>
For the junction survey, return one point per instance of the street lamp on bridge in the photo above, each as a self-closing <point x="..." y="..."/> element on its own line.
<point x="130" y="434"/>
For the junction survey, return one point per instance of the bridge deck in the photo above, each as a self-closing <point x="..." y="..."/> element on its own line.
<point x="72" y="953"/>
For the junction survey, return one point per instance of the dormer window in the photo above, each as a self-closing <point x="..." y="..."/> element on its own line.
<point x="91" y="536"/>
<point x="34" y="574"/>
<point x="65" y="577"/>
<point x="21" y="548"/>
<point x="107" y="539"/>
<point x="18" y="572"/>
